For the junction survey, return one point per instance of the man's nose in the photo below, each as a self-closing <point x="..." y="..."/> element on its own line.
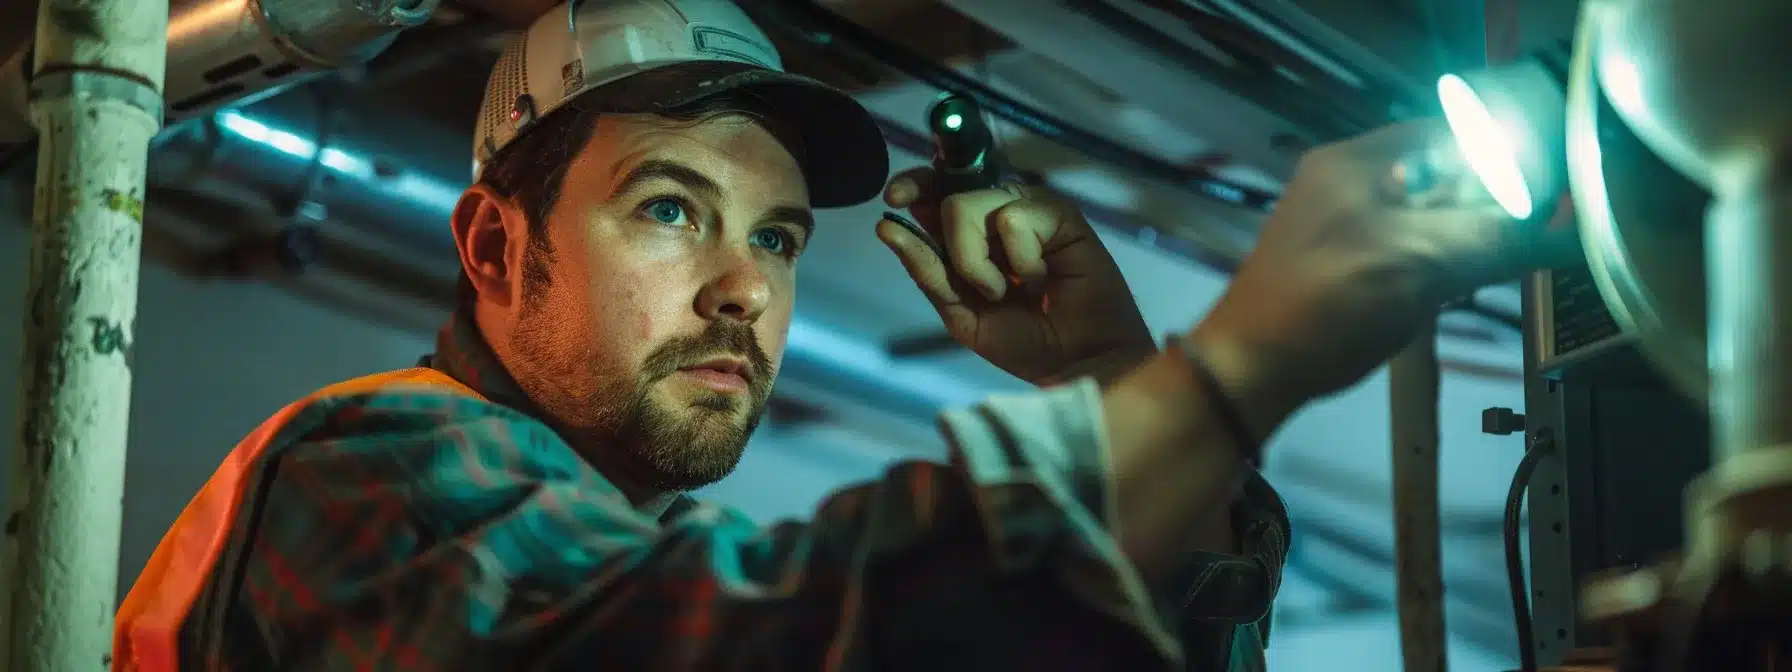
<point x="740" y="289"/>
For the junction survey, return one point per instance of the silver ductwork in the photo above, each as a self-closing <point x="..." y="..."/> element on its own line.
<point x="327" y="155"/>
<point x="231" y="51"/>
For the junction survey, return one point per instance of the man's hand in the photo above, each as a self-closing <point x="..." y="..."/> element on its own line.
<point x="1345" y="271"/>
<point x="1029" y="286"/>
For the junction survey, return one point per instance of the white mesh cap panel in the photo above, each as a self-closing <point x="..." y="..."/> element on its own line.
<point x="501" y="92"/>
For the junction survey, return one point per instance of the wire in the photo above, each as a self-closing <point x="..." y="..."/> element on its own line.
<point x="1521" y="604"/>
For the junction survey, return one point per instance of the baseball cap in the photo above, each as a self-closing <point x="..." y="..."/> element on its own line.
<point x="626" y="46"/>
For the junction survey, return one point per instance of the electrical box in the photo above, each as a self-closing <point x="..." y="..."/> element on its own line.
<point x="1625" y="446"/>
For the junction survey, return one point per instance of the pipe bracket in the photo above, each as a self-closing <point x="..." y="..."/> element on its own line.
<point x="97" y="83"/>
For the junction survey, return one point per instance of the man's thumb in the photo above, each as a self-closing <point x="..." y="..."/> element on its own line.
<point x="920" y="260"/>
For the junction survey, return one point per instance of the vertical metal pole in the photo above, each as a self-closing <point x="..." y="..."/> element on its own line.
<point x="1748" y="237"/>
<point x="96" y="102"/>
<point x="1750" y="288"/>
<point x="1413" y="378"/>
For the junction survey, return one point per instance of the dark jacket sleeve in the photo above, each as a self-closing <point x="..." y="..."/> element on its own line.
<point x="1227" y="612"/>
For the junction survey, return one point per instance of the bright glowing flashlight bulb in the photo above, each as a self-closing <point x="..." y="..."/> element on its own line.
<point x="1489" y="147"/>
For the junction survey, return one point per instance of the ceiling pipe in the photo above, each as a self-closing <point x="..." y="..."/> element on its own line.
<point x="224" y="52"/>
<point x="1252" y="75"/>
<point x="1293" y="24"/>
<point x="826" y="30"/>
<point x="323" y="155"/>
<point x="1307" y="63"/>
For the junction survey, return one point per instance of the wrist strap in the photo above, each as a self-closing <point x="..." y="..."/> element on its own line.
<point x="1249" y="447"/>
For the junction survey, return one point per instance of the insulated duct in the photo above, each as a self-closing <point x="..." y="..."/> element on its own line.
<point x="323" y="154"/>
<point x="225" y="51"/>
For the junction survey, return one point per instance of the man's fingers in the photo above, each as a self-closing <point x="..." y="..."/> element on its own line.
<point x="910" y="186"/>
<point x="1024" y="226"/>
<point x="966" y="218"/>
<point x="918" y="258"/>
<point x="964" y="224"/>
<point x="915" y="190"/>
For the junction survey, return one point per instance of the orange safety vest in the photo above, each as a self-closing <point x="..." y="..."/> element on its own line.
<point x="146" y="633"/>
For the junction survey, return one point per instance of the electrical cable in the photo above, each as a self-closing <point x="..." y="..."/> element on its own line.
<point x="1540" y="448"/>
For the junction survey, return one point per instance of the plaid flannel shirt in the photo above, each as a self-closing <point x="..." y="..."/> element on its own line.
<point x="410" y="530"/>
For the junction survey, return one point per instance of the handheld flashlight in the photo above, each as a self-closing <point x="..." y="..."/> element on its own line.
<point x="964" y="155"/>
<point x="1511" y="124"/>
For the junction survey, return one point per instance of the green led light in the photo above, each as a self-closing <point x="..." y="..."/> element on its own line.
<point x="953" y="121"/>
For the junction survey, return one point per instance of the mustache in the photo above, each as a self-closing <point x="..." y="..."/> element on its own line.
<point x="719" y="339"/>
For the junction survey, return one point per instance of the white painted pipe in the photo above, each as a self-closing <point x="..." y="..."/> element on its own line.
<point x="97" y="102"/>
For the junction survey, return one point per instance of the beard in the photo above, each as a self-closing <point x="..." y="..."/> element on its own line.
<point x="614" y="420"/>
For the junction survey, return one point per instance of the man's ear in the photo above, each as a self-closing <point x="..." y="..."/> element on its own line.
<point x="490" y="232"/>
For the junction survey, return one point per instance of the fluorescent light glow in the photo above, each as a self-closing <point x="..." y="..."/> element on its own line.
<point x="438" y="195"/>
<point x="251" y="129"/>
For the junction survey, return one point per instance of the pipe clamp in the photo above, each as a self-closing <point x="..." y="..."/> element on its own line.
<point x="94" y="83"/>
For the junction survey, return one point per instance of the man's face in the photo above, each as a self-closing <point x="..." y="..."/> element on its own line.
<point x="653" y="321"/>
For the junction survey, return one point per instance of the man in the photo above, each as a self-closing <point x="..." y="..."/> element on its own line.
<point x="645" y="176"/>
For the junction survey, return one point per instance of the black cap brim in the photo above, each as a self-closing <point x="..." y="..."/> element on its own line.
<point x="843" y="154"/>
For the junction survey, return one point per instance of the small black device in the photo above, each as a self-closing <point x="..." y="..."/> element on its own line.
<point x="964" y="156"/>
<point x="964" y="151"/>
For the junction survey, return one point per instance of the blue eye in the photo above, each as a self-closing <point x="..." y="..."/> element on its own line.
<point x="666" y="211"/>
<point x="775" y="240"/>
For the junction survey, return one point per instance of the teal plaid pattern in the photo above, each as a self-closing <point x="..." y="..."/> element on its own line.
<point x="416" y="530"/>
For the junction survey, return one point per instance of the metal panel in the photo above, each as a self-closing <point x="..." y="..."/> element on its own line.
<point x="1610" y="495"/>
<point x="1553" y="498"/>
